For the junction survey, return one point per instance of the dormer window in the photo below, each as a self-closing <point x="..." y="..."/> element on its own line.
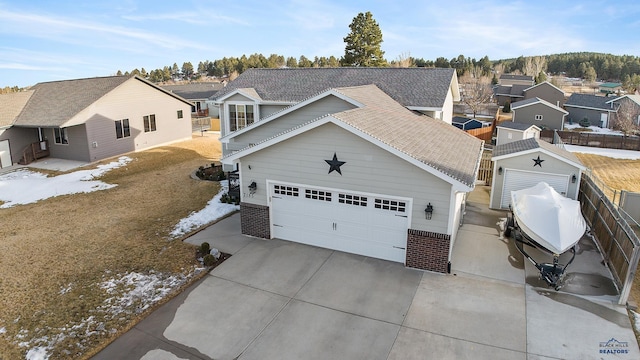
<point x="240" y="116"/>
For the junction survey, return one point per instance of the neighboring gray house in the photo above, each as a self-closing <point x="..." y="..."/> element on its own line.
<point x="545" y="91"/>
<point x="521" y="164"/>
<point x="198" y="94"/>
<point x="258" y="96"/>
<point x="509" y="131"/>
<point x="597" y="109"/>
<point x="351" y="169"/>
<point x="95" y="118"/>
<point x="634" y="105"/>
<point x="538" y="112"/>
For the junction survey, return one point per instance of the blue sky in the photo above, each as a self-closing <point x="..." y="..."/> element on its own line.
<point x="52" y="40"/>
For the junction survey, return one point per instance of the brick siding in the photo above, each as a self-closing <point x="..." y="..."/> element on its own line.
<point x="254" y="220"/>
<point x="428" y="251"/>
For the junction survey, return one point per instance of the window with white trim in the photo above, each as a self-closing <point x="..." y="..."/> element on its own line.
<point x="60" y="136"/>
<point x="317" y="195"/>
<point x="286" y="190"/>
<point x="240" y="116"/>
<point x="392" y="205"/>
<point x="539" y="117"/>
<point x="122" y="129"/>
<point x="352" y="199"/>
<point x="149" y="122"/>
<point x="180" y="116"/>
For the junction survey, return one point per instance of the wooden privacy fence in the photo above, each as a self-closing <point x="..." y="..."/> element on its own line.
<point x="617" y="240"/>
<point x="594" y="139"/>
<point x="485" y="133"/>
<point x="485" y="172"/>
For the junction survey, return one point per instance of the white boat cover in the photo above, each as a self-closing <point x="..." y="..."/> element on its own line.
<point x="548" y="218"/>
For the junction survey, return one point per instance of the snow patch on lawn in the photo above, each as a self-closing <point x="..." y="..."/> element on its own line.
<point x="26" y="187"/>
<point x="612" y="153"/>
<point x="594" y="129"/>
<point x="212" y="211"/>
<point x="131" y="294"/>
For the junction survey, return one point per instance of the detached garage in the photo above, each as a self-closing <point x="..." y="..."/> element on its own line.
<point x="521" y="164"/>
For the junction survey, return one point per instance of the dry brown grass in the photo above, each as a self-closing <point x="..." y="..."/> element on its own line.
<point x="77" y="239"/>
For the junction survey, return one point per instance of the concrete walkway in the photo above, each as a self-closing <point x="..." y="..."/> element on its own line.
<point x="280" y="300"/>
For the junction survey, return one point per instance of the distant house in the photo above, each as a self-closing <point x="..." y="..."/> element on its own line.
<point x="544" y="90"/>
<point x="510" y="80"/>
<point x="610" y="88"/>
<point x="464" y="123"/>
<point x="199" y="94"/>
<point x="540" y="113"/>
<point x="509" y="131"/>
<point x="92" y="119"/>
<point x="598" y="110"/>
<point x="634" y="105"/>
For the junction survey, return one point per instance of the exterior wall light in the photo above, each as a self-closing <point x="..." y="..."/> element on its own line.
<point x="574" y="178"/>
<point x="500" y="170"/>
<point x="428" y="212"/>
<point x="252" y="187"/>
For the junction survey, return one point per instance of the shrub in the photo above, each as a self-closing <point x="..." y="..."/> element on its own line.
<point x="209" y="260"/>
<point x="507" y="107"/>
<point x="224" y="198"/>
<point x="205" y="248"/>
<point x="585" y="122"/>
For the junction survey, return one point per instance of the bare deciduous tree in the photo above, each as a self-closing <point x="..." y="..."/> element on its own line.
<point x="477" y="92"/>
<point x="404" y="60"/>
<point x="627" y="116"/>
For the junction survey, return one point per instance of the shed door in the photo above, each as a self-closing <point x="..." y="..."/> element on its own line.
<point x="364" y="224"/>
<point x="5" y="154"/>
<point x="518" y="180"/>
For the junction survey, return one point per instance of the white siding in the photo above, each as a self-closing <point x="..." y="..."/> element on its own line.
<point x="368" y="168"/>
<point x="447" y="108"/>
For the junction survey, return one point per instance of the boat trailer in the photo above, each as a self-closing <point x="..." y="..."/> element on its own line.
<point x="552" y="273"/>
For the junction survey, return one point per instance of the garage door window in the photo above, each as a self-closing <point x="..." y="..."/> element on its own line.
<point x="317" y="195"/>
<point x="391" y="205"/>
<point x="352" y="199"/>
<point x="286" y="190"/>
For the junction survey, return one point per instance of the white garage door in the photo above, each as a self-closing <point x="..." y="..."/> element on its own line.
<point x="5" y="154"/>
<point x="374" y="226"/>
<point x="518" y="180"/>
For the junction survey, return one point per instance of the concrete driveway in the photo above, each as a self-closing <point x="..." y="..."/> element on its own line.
<point x="280" y="300"/>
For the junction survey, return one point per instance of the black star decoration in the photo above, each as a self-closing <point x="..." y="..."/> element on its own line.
<point x="335" y="164"/>
<point x="537" y="161"/>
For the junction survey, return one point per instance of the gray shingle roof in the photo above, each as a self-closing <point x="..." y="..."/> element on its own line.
<point x="11" y="105"/>
<point x="433" y="142"/>
<point x="195" y="90"/>
<point x="514" y="125"/>
<point x="54" y="103"/>
<point x="511" y="90"/>
<point x="532" y="144"/>
<point x="588" y="101"/>
<point x="411" y="87"/>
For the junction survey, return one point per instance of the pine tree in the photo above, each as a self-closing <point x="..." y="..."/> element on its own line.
<point x="363" y="43"/>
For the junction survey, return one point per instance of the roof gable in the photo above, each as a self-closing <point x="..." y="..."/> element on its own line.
<point x="412" y="87"/>
<point x="449" y="153"/>
<point x="516" y="126"/>
<point x="531" y="145"/>
<point x="534" y="101"/>
<point x="545" y="84"/>
<point x="11" y="105"/>
<point x="632" y="97"/>
<point x="54" y="103"/>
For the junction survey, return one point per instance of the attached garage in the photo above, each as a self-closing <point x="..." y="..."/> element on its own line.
<point x="353" y="222"/>
<point x="525" y="163"/>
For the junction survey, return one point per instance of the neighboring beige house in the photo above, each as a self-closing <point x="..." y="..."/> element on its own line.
<point x="351" y="169"/>
<point x="10" y="107"/>
<point x="508" y="131"/>
<point x="258" y="96"/>
<point x="540" y="113"/>
<point x="95" y="118"/>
